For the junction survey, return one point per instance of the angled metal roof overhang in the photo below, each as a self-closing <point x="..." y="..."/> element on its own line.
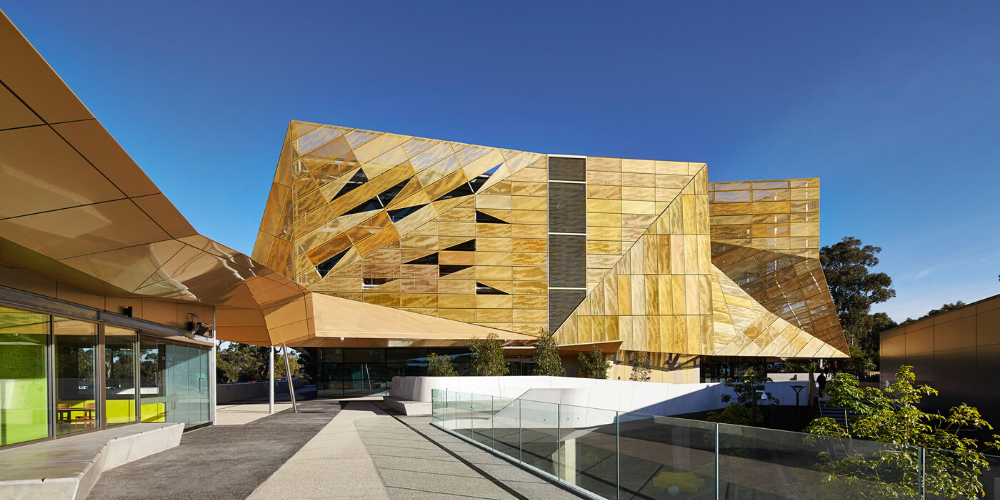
<point x="76" y="209"/>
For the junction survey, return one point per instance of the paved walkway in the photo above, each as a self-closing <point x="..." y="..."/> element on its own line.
<point x="222" y="462"/>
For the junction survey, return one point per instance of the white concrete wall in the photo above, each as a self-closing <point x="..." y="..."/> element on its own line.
<point x="618" y="395"/>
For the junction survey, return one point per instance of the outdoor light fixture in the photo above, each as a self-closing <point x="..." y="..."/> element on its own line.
<point x="197" y="328"/>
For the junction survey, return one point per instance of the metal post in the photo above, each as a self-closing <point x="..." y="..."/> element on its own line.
<point x="618" y="455"/>
<point x="558" y="444"/>
<point x="212" y="396"/>
<point x="270" y="381"/>
<point x="923" y="472"/>
<point x="718" y="483"/>
<point x="519" y="457"/>
<point x="288" y="377"/>
<point x="493" y="421"/>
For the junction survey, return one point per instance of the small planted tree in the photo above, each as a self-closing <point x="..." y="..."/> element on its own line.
<point x="593" y="365"/>
<point x="640" y="366"/>
<point x="746" y="409"/>
<point x="952" y="462"/>
<point x="487" y="356"/>
<point x="440" y="366"/>
<point x="547" y="361"/>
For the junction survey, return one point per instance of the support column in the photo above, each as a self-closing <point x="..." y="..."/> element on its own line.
<point x="211" y="380"/>
<point x="288" y="377"/>
<point x="270" y="381"/>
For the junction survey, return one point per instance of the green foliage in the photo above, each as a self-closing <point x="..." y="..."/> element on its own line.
<point x="248" y="363"/>
<point x="640" y="366"/>
<point x="593" y="365"/>
<point x="891" y="415"/>
<point x="440" y="366"/>
<point x="746" y="409"/>
<point x="547" y="360"/>
<point x="854" y="287"/>
<point x="487" y="356"/>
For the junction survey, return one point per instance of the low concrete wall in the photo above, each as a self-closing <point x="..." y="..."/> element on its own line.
<point x="619" y="395"/>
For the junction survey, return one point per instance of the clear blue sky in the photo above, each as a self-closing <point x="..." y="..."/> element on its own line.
<point x="894" y="105"/>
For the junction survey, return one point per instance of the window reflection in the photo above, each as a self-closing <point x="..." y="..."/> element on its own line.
<point x="75" y="354"/>
<point x="23" y="384"/>
<point x="119" y="363"/>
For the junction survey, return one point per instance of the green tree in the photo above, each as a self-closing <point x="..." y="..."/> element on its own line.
<point x="440" y="366"/>
<point x="640" y="366"/>
<point x="855" y="288"/>
<point x="487" y="356"/>
<point x="746" y="409"/>
<point x="891" y="415"/>
<point x="593" y="365"/>
<point x="547" y="360"/>
<point x="246" y="362"/>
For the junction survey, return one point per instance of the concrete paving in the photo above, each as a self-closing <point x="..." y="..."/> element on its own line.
<point x="244" y="413"/>
<point x="222" y="462"/>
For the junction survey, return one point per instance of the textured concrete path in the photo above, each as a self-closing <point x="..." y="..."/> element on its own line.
<point x="222" y="462"/>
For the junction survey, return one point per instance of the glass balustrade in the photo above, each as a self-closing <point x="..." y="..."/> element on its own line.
<point x="630" y="455"/>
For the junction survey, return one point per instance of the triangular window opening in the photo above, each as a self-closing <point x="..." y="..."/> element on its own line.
<point x="386" y="196"/>
<point x="482" y="289"/>
<point x="356" y="181"/>
<point x="468" y="246"/>
<point x="486" y="218"/>
<point x="401" y="213"/>
<point x="463" y="190"/>
<point x="426" y="259"/>
<point x="372" y="204"/>
<point x="446" y="270"/>
<point x="326" y="266"/>
<point x="481" y="179"/>
<point x="369" y="283"/>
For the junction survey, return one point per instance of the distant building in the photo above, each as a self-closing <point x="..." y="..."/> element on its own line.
<point x="957" y="353"/>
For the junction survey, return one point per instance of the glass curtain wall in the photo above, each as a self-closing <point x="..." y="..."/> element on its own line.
<point x="76" y="376"/>
<point x="119" y="374"/>
<point x="174" y="382"/>
<point x="24" y="391"/>
<point x="352" y="372"/>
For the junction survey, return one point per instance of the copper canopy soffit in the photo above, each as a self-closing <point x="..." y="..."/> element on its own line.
<point x="338" y="317"/>
<point x="69" y="193"/>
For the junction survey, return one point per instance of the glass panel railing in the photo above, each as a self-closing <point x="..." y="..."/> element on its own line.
<point x="482" y="419"/>
<point x="663" y="457"/>
<point x="755" y="462"/>
<point x="507" y="429"/>
<point x="588" y="449"/>
<point x="539" y="435"/>
<point x="633" y="455"/>
<point x="954" y="474"/>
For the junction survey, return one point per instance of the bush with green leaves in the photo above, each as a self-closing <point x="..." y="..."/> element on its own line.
<point x="593" y="365"/>
<point x="547" y="360"/>
<point x="440" y="366"/>
<point x="487" y="356"/>
<point x="891" y="415"/>
<point x="641" y="369"/>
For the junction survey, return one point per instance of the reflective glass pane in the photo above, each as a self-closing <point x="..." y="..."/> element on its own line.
<point x="482" y="419"/>
<point x="955" y="474"/>
<point x="23" y="389"/>
<point x="539" y="435"/>
<point x="506" y="427"/>
<point x="766" y="463"/>
<point x="76" y="359"/>
<point x="152" y="386"/>
<point x="664" y="457"/>
<point x="119" y="372"/>
<point x="587" y="449"/>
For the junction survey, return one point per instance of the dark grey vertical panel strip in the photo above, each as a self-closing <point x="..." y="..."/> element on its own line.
<point x="567" y="208"/>
<point x="562" y="303"/>
<point x="567" y="169"/>
<point x="567" y="261"/>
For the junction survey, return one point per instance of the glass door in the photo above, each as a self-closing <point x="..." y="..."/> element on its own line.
<point x="76" y="381"/>
<point x="119" y="375"/>
<point x="24" y="414"/>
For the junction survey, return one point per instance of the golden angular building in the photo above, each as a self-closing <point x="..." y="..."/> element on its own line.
<point x="637" y="255"/>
